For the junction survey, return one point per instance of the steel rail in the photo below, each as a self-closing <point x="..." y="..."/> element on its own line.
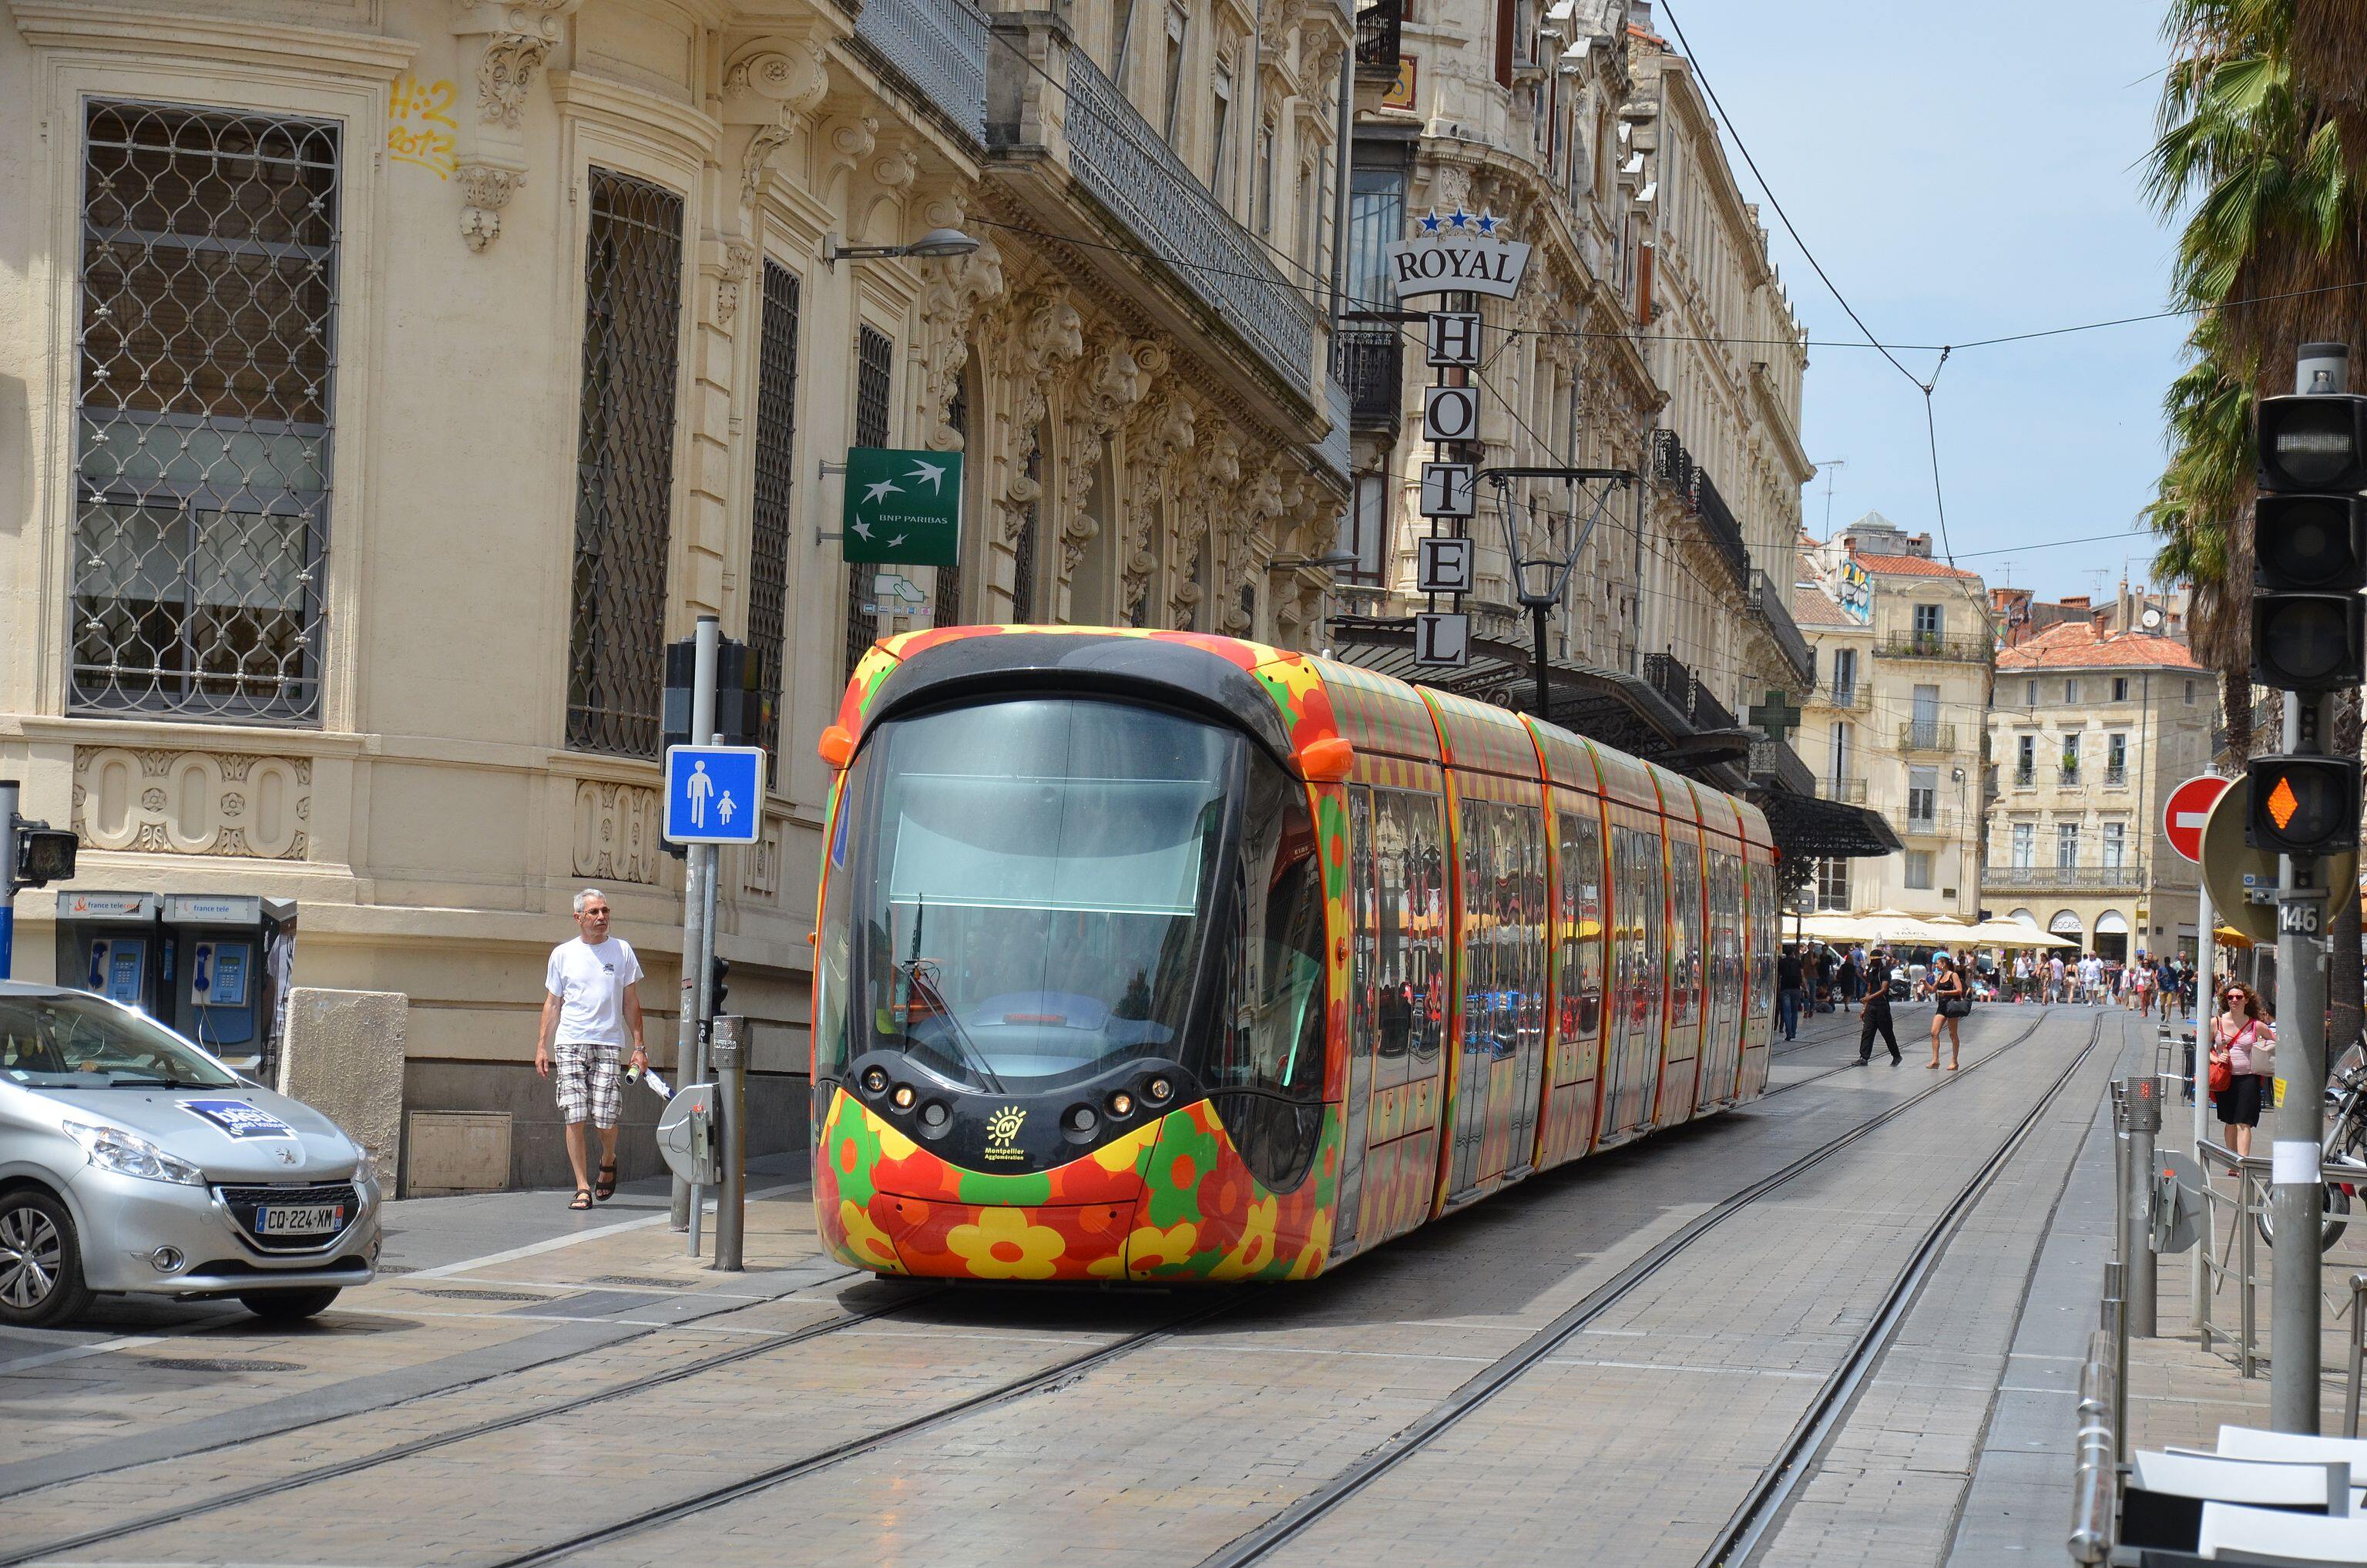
<point x="1257" y="1544"/>
<point x="13" y="1557"/>
<point x="1796" y="1461"/>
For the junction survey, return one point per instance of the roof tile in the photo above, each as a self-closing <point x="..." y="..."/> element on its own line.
<point x="2076" y="645"/>
<point x="1910" y="566"/>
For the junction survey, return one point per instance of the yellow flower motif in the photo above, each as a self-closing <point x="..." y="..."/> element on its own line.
<point x="1004" y="1245"/>
<point x="1123" y="1156"/>
<point x="1254" y="1251"/>
<point x="867" y="1244"/>
<point x="1319" y="1243"/>
<point x="893" y="1146"/>
<point x="1149" y="1247"/>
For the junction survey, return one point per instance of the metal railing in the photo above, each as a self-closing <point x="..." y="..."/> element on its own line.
<point x="1777" y="760"/>
<point x="1855" y="697"/>
<point x="2074" y="878"/>
<point x="1132" y="173"/>
<point x="1767" y="600"/>
<point x="1672" y="678"/>
<point x="1933" y="645"/>
<point x="2115" y="777"/>
<point x="1920" y="734"/>
<point x="2026" y="777"/>
<point x="2069" y="776"/>
<point x="2103" y="1384"/>
<point x="1370" y="363"/>
<point x="1379" y="26"/>
<point x="1851" y="791"/>
<point x="939" y="46"/>
<point x="1938" y="824"/>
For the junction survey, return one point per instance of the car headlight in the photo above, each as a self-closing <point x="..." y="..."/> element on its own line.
<point x="365" y="1165"/>
<point x="127" y="1154"/>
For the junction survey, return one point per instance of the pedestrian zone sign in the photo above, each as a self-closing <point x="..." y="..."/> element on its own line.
<point x="902" y="506"/>
<point x="714" y="794"/>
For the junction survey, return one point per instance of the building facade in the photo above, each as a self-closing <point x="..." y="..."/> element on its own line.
<point x="394" y="378"/>
<point x="2094" y="723"/>
<point x="1896" y="721"/>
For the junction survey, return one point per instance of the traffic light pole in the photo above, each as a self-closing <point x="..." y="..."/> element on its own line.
<point x="7" y="877"/>
<point x="2293" y="1201"/>
<point x="694" y="905"/>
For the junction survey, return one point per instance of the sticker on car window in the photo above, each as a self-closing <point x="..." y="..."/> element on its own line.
<point x="240" y="1119"/>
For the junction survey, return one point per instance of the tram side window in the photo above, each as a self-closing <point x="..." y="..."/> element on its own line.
<point x="1362" y="901"/>
<point x="1274" y="1034"/>
<point x="1503" y="951"/>
<point x="1581" y="925"/>
<point x="1685" y="893"/>
<point x="1409" y="967"/>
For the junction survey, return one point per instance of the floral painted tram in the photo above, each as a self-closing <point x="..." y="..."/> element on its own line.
<point x="1150" y="955"/>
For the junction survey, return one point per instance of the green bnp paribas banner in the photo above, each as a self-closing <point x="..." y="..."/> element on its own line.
<point x="902" y="507"/>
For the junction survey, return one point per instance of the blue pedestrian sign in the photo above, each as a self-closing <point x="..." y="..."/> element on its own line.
<point x="714" y="794"/>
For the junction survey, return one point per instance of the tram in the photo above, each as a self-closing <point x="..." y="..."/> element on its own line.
<point x="1160" y="956"/>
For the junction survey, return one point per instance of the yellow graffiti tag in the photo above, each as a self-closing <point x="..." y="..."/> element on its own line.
<point x="416" y="112"/>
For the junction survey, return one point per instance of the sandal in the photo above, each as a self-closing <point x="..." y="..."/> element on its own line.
<point x="582" y="1199"/>
<point x="606" y="1189"/>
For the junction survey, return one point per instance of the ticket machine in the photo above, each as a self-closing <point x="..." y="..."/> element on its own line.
<point x="232" y="953"/>
<point x="113" y="943"/>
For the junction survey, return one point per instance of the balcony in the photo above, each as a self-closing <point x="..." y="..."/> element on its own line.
<point x="1942" y="824"/>
<point x="1674" y="467"/>
<point x="939" y="47"/>
<point x="2125" y="878"/>
<point x="1378" y="26"/>
<point x="1931" y="645"/>
<point x="1370" y="363"/>
<point x="1767" y="603"/>
<point x="1668" y="676"/>
<point x="1855" y="697"/>
<point x="1202" y="269"/>
<point x="1920" y="735"/>
<point x="2117" y="778"/>
<point x="2026" y="777"/>
<point x="1849" y="791"/>
<point x="2070" y="775"/>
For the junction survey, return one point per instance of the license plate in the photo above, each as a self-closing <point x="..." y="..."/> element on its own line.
<point x="308" y="1220"/>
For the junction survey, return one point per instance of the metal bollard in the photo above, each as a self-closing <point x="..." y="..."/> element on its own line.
<point x="2357" y="1354"/>
<point x="2142" y="1103"/>
<point x="728" y="1056"/>
<point x="2113" y="1320"/>
<point x="2093" y="1495"/>
<point x="2120" y="1171"/>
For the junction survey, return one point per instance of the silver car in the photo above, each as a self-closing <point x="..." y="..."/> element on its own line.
<point x="133" y="1162"/>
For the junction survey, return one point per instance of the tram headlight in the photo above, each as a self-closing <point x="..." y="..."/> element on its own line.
<point x="933" y="1115"/>
<point x="1082" y="1118"/>
<point x="903" y="1096"/>
<point x="875" y="1080"/>
<point x="1160" y="1090"/>
<point x="1121" y="1104"/>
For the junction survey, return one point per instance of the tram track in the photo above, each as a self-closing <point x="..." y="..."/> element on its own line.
<point x="1261" y="1542"/>
<point x="1047" y="1379"/>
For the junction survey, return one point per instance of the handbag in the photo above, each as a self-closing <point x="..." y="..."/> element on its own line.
<point x="2223" y="1076"/>
<point x="1956" y="1007"/>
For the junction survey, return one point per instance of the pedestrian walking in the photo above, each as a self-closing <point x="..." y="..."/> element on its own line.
<point x="1873" y="1018"/>
<point x="2140" y="985"/>
<point x="591" y="1012"/>
<point x="2054" y="977"/>
<point x="2243" y="1045"/>
<point x="1951" y="1001"/>
<point x="2166" y="989"/>
<point x="1787" y="991"/>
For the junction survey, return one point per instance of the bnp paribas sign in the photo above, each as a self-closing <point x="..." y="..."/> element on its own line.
<point x="1457" y="252"/>
<point x="902" y="507"/>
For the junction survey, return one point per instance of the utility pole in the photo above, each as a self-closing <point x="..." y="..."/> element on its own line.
<point x="7" y="877"/>
<point x="698" y="868"/>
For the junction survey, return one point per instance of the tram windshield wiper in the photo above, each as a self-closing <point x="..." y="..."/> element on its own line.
<point x="921" y="975"/>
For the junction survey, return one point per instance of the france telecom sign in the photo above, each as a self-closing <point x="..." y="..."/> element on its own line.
<point x="902" y="507"/>
<point x="714" y="794"/>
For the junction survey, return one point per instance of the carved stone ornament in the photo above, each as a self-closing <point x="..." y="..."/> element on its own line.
<point x="193" y="802"/>
<point x="485" y="190"/>
<point x="730" y="277"/>
<point x="956" y="291"/>
<point x="774" y="85"/>
<point x="617" y="832"/>
<point x="518" y="34"/>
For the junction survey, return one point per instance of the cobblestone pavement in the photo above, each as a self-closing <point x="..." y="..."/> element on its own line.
<point x="438" y="1416"/>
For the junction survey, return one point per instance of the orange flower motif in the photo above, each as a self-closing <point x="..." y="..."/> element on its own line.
<point x="1149" y="1248"/>
<point x="867" y="1242"/>
<point x="1004" y="1245"/>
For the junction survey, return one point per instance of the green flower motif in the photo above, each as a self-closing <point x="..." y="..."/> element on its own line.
<point x="1180" y="1161"/>
<point x="1023" y="1190"/>
<point x="847" y="1129"/>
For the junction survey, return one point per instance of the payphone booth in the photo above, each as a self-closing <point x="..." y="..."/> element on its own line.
<point x="228" y="967"/>
<point x="113" y="943"/>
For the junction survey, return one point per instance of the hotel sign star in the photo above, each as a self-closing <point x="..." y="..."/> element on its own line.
<point x="1457" y="252"/>
<point x="902" y="507"/>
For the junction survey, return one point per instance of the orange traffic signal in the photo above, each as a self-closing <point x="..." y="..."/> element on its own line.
<point x="2302" y="805"/>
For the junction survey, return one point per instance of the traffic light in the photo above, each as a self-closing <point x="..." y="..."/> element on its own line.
<point x="2309" y="624"/>
<point x="44" y="853"/>
<point x="2302" y="805"/>
<point x="719" y="975"/>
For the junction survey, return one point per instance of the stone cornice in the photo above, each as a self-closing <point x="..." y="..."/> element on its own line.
<point x="1778" y="420"/>
<point x="679" y="127"/>
<point x="66" y="24"/>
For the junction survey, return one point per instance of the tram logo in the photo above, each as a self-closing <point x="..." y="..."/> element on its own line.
<point x="1003" y="1134"/>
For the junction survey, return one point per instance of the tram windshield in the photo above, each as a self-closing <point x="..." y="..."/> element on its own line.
<point x="1019" y="890"/>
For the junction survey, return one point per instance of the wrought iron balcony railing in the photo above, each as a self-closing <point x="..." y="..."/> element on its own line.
<point x="1767" y="601"/>
<point x="2114" y="778"/>
<point x="1370" y="362"/>
<point x="1671" y="676"/>
<point x="1918" y="734"/>
<point x="1674" y="467"/>
<point x="1931" y="645"/>
<point x="1112" y="157"/>
<point x="2068" y="879"/>
<point x="1856" y="697"/>
<point x="2069" y="776"/>
<point x="1380" y="23"/>
<point x="2026" y="777"/>
<point x="1941" y="823"/>
<point x="939" y="46"/>
<point x="1776" y="760"/>
<point x="1850" y="791"/>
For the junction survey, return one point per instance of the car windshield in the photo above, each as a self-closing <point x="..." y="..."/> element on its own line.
<point x="88" y="1042"/>
<point x="1025" y="883"/>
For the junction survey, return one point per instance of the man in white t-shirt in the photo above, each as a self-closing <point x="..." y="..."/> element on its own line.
<point x="590" y="1011"/>
<point x="2055" y="978"/>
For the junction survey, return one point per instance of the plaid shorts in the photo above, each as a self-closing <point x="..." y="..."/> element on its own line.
<point x="589" y="1082"/>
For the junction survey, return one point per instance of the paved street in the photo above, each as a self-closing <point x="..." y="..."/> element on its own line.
<point x="525" y="1382"/>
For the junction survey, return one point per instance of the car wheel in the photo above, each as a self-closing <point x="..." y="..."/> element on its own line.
<point x="40" y="1261"/>
<point x="288" y="1306"/>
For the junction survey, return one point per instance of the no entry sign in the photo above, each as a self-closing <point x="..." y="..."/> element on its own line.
<point x="2187" y="809"/>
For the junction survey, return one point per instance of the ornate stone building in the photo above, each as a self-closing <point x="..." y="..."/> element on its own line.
<point x="386" y="381"/>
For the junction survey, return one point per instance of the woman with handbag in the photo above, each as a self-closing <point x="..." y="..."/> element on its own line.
<point x="2242" y="1043"/>
<point x="1951" y="1000"/>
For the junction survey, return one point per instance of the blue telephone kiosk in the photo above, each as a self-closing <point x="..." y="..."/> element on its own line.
<point x="113" y="943"/>
<point x="232" y="954"/>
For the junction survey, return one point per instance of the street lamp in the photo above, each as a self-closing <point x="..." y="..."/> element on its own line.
<point x="936" y="242"/>
<point x="1335" y="560"/>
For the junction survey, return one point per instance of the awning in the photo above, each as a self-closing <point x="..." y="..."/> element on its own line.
<point x="1627" y="713"/>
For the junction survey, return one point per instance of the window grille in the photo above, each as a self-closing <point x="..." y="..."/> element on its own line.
<point x="624" y="466"/>
<point x="948" y="601"/>
<point x="1022" y="548"/>
<point x="207" y="361"/>
<point x="874" y="359"/>
<point x="773" y="514"/>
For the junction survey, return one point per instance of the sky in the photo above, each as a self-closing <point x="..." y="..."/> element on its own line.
<point x="1965" y="173"/>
